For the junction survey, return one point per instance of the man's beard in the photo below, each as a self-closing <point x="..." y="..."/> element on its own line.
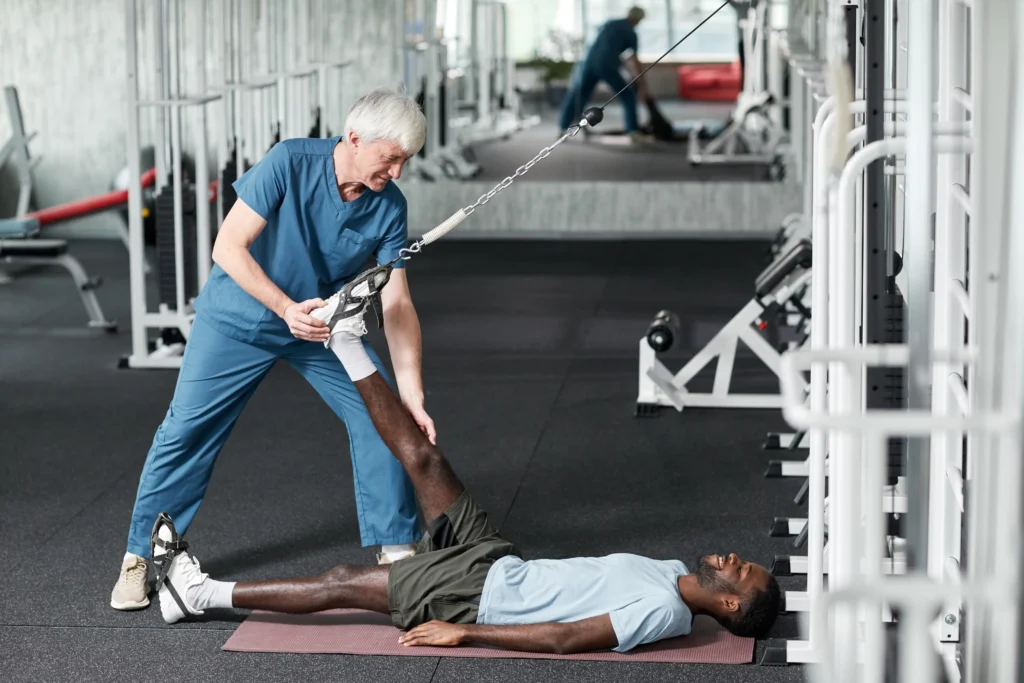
<point x="709" y="579"/>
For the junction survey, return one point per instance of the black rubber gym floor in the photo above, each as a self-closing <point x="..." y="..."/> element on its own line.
<point x="602" y="157"/>
<point x="530" y="368"/>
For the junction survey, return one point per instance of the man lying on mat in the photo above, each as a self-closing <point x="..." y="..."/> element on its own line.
<point x="467" y="584"/>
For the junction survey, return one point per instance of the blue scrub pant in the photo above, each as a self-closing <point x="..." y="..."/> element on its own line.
<point x="218" y="375"/>
<point x="582" y="88"/>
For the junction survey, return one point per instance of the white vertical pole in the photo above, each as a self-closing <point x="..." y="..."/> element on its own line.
<point x="304" y="84"/>
<point x="945" y="519"/>
<point x="876" y="458"/>
<point x="236" y="79"/>
<point x="917" y="260"/>
<point x="481" y="60"/>
<point x="159" y="17"/>
<point x="319" y="22"/>
<point x="280" y="26"/>
<point x="179" y="246"/>
<point x="819" y="342"/>
<point x="136" y="246"/>
<point x="226" y="78"/>
<point x="203" y="248"/>
<point x="1008" y="530"/>
<point x="993" y="122"/>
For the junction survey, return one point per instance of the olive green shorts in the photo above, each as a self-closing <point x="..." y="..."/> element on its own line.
<point x="445" y="578"/>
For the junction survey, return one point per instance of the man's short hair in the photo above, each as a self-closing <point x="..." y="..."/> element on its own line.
<point x="636" y="13"/>
<point x="383" y="114"/>
<point x="758" y="612"/>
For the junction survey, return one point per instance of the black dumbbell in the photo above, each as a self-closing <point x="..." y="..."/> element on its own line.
<point x="663" y="331"/>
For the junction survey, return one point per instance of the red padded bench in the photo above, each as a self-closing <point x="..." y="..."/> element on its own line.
<point x="710" y="82"/>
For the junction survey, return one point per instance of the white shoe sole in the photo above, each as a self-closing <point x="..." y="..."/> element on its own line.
<point x="169" y="609"/>
<point x="129" y="606"/>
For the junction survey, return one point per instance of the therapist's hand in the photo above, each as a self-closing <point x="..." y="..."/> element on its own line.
<point x="423" y="421"/>
<point x="302" y="324"/>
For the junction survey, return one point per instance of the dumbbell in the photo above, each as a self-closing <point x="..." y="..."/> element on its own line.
<point x="663" y="331"/>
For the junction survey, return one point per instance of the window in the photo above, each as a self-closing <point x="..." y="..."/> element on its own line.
<point x="667" y="21"/>
<point x="719" y="38"/>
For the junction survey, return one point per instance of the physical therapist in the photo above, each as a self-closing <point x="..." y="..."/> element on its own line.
<point x="603" y="63"/>
<point x="308" y="217"/>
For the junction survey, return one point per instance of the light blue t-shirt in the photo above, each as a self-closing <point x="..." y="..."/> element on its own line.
<point x="614" y="38"/>
<point x="313" y="242"/>
<point x="640" y="594"/>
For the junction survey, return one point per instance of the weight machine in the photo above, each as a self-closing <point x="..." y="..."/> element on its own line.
<point x="753" y="133"/>
<point x="493" y="75"/>
<point x="271" y="79"/>
<point x="425" y="52"/>
<point x="20" y="243"/>
<point x="916" y="391"/>
<point x="778" y="289"/>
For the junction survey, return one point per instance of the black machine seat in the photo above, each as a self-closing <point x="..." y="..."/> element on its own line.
<point x="33" y="248"/>
<point x="781" y="268"/>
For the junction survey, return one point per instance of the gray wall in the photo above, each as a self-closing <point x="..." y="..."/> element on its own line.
<point x="67" y="59"/>
<point x="607" y="209"/>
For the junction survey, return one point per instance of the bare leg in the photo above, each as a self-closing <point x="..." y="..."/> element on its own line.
<point x="344" y="586"/>
<point x="436" y="485"/>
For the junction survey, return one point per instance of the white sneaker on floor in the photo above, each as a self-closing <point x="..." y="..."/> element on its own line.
<point x="132" y="589"/>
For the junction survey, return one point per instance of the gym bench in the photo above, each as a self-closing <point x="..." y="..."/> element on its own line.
<point x="18" y="245"/>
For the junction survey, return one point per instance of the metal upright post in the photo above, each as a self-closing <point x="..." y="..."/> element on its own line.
<point x="918" y="261"/>
<point x="177" y="181"/>
<point x="945" y="512"/>
<point x="247" y="97"/>
<point x="321" y="58"/>
<point x="993" y="121"/>
<point x="204" y="250"/>
<point x="159" y="18"/>
<point x="283" y="64"/>
<point x="136" y="243"/>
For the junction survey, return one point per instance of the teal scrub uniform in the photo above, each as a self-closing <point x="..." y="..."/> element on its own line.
<point x="602" y="63"/>
<point x="313" y="243"/>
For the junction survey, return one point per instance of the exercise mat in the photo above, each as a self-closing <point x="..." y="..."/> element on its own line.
<point x="357" y="632"/>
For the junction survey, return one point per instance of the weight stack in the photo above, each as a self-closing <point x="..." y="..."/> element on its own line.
<point x="166" y="274"/>
<point x="228" y="176"/>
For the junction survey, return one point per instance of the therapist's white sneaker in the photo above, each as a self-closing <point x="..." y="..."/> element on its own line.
<point x="132" y="588"/>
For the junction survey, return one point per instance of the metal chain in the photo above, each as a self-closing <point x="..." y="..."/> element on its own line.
<point x="520" y="171"/>
<point x="407" y="253"/>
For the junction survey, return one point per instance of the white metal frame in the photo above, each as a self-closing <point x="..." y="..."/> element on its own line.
<point x="977" y="388"/>
<point x="17" y="149"/>
<point x="754" y="133"/>
<point x="659" y="387"/>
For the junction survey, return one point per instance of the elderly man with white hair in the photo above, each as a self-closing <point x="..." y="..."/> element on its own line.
<point x="308" y="218"/>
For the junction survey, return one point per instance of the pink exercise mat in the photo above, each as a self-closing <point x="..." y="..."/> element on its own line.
<point x="356" y="632"/>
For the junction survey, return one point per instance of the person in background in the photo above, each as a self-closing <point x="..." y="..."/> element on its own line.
<point x="602" y="64"/>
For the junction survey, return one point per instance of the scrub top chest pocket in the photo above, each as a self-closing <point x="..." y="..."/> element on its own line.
<point x="350" y="254"/>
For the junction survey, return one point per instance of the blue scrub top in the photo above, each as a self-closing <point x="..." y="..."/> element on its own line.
<point x="614" y="38"/>
<point x="313" y="243"/>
